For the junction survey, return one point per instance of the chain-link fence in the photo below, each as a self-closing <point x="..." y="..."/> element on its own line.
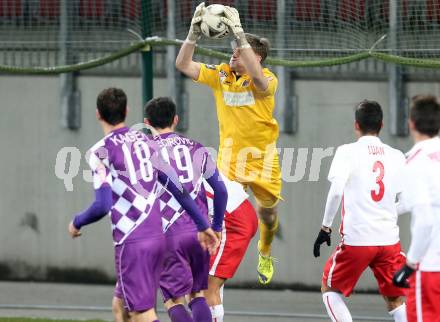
<point x="68" y="35"/>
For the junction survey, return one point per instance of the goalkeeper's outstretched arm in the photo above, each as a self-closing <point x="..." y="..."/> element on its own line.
<point x="184" y="60"/>
<point x="253" y="68"/>
<point x="185" y="63"/>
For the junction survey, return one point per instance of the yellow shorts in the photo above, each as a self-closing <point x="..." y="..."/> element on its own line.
<point x="262" y="176"/>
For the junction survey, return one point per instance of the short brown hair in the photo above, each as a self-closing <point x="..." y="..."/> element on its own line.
<point x="369" y="116"/>
<point x="259" y="45"/>
<point x="425" y="113"/>
<point x="160" y="112"/>
<point x="112" y="105"/>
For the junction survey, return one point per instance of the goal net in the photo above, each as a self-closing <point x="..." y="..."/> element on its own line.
<point x="54" y="36"/>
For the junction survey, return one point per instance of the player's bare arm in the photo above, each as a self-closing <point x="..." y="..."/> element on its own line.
<point x="249" y="59"/>
<point x="184" y="60"/>
<point x="185" y="63"/>
<point x="254" y="69"/>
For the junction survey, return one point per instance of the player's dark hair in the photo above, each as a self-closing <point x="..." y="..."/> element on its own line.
<point x="160" y="112"/>
<point x="259" y="45"/>
<point x="425" y="113"/>
<point x="369" y="116"/>
<point x="112" y="105"/>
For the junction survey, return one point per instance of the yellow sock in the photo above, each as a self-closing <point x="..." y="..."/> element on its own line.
<point x="266" y="237"/>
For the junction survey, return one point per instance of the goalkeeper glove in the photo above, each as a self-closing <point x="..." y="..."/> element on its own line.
<point x="232" y="20"/>
<point x="400" y="278"/>
<point x="323" y="237"/>
<point x="195" y="31"/>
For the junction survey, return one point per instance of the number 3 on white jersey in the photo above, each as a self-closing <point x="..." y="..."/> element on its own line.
<point x="379" y="168"/>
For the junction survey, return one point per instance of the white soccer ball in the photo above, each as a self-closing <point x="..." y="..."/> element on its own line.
<point x="211" y="25"/>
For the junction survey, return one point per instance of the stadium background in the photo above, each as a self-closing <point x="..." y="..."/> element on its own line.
<point x="41" y="114"/>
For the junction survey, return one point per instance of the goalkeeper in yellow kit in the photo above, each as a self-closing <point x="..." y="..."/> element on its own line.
<point x="244" y="94"/>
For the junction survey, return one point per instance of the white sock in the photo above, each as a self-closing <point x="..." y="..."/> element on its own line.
<point x="399" y="313"/>
<point x="336" y="308"/>
<point x="217" y="312"/>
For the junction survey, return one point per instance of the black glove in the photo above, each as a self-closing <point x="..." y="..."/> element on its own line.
<point x="401" y="276"/>
<point x="323" y="237"/>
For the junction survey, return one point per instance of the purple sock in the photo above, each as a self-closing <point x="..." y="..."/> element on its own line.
<point x="200" y="310"/>
<point x="178" y="313"/>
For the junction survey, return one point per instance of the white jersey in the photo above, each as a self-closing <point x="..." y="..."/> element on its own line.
<point x="422" y="187"/>
<point x="236" y="195"/>
<point x="369" y="171"/>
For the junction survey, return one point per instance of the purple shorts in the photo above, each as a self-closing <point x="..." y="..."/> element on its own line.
<point x="138" y="267"/>
<point x="186" y="266"/>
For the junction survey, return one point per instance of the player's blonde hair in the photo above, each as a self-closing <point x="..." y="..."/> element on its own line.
<point x="260" y="46"/>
